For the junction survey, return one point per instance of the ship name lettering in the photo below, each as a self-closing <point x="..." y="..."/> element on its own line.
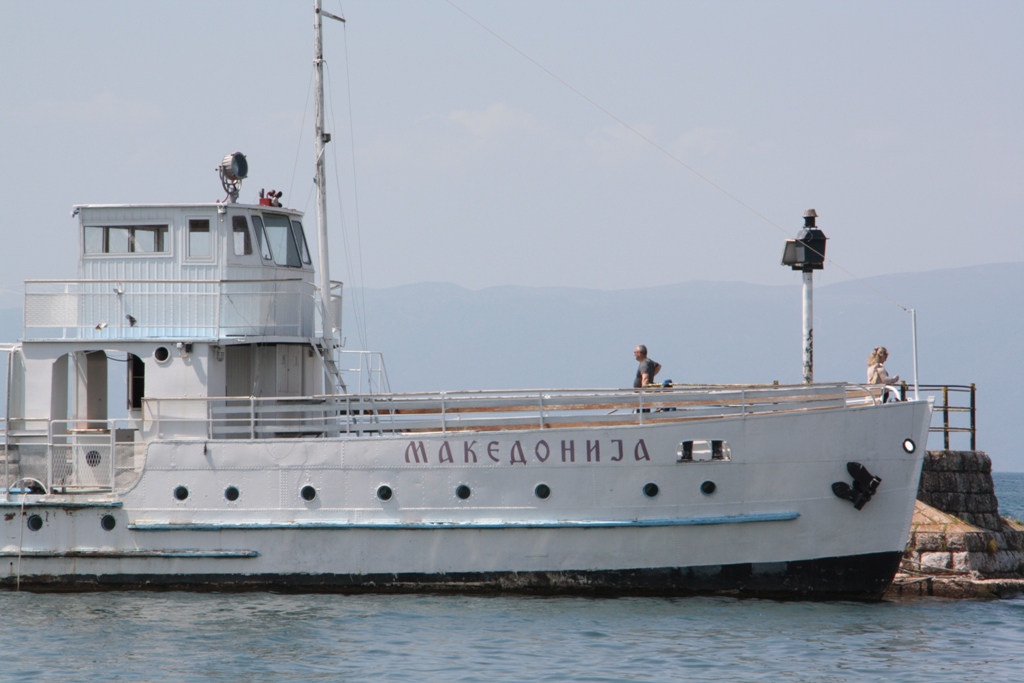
<point x="517" y="454"/>
<point x="571" y="450"/>
<point x="641" y="446"/>
<point x="417" y="450"/>
<point x="444" y="454"/>
<point x="547" y="451"/>
<point x="619" y="457"/>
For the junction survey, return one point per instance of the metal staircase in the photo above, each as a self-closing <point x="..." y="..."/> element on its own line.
<point x="333" y="373"/>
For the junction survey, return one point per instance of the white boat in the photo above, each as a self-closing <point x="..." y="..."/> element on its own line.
<point x="245" y="461"/>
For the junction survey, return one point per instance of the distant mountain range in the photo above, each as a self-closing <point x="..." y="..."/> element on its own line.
<point x="442" y="336"/>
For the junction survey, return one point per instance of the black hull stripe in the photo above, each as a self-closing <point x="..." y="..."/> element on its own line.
<point x="857" y="577"/>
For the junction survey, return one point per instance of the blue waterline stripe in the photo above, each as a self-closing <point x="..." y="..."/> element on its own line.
<point x="422" y="526"/>
<point x="29" y="504"/>
<point x="96" y="553"/>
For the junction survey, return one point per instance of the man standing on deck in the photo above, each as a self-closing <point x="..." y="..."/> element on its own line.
<point x="648" y="368"/>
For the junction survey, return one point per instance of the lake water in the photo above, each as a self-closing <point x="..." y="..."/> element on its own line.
<point x="1010" y="492"/>
<point x="269" y="637"/>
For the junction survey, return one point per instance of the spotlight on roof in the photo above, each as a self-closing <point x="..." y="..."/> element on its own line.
<point x="234" y="166"/>
<point x="232" y="170"/>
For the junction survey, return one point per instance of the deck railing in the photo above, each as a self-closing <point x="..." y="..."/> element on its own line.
<point x="187" y="309"/>
<point x="63" y="456"/>
<point x="83" y="456"/>
<point x="943" y="409"/>
<point x="445" y="412"/>
<point x="371" y="376"/>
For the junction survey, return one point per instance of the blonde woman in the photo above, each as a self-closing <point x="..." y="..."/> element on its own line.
<point x="877" y="373"/>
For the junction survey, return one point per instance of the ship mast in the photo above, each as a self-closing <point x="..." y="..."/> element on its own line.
<point x="322" y="139"/>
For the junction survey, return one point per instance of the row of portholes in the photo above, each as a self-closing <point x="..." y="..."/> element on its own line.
<point x="543" y="491"/>
<point x="384" y="493"/>
<point x="706" y="487"/>
<point x="35" y="522"/>
<point x="232" y="493"/>
<point x="462" y="492"/>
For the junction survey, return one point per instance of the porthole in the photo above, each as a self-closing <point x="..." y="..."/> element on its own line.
<point x="542" y="491"/>
<point x="384" y="493"/>
<point x="231" y="493"/>
<point x="35" y="522"/>
<point x="308" y="493"/>
<point x="181" y="493"/>
<point x="92" y="458"/>
<point x="161" y="354"/>
<point x="707" y="488"/>
<point x="108" y="522"/>
<point x="650" y="490"/>
<point x="462" y="492"/>
<point x="909" y="446"/>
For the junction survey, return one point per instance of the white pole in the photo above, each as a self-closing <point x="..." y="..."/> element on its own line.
<point x="808" y="316"/>
<point x="913" y="335"/>
<point x="321" y="182"/>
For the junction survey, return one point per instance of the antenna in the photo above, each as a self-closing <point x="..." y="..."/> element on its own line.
<point x="232" y="170"/>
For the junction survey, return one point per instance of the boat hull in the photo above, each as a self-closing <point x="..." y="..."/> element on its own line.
<point x="770" y="526"/>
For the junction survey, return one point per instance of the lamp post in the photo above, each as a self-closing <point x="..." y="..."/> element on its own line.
<point x="807" y="254"/>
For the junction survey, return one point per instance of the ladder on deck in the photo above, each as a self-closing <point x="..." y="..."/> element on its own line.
<point x="333" y="374"/>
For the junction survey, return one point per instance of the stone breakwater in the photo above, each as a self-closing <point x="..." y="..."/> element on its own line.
<point x="960" y="483"/>
<point x="941" y="543"/>
<point x="959" y="547"/>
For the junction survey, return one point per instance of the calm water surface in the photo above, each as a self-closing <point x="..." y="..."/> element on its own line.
<point x="1010" y="492"/>
<point x="269" y="637"/>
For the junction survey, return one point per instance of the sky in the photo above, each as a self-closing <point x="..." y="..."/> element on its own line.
<point x="458" y="159"/>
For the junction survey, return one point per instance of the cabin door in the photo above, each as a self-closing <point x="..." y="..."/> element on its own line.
<point x="238" y="381"/>
<point x="289" y="370"/>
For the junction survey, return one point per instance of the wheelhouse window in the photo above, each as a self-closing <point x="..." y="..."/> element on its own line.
<point x="300" y="239"/>
<point x="240" y="234"/>
<point x="261" y="238"/>
<point x="282" y="241"/>
<point x="148" y="241"/>
<point x="125" y="239"/>
<point x="119" y="240"/>
<point x="199" y="242"/>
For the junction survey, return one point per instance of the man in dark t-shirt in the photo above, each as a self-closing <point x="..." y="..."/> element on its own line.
<point x="648" y="368"/>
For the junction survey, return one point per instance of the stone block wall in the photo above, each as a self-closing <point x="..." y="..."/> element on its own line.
<point x="960" y="483"/>
<point x="986" y="552"/>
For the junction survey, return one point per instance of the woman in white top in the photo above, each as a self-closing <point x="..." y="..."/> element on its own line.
<point x="877" y="373"/>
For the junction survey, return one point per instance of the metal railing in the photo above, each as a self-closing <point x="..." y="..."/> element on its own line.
<point x="141" y="309"/>
<point x="444" y="412"/>
<point x="67" y="457"/>
<point x="945" y="408"/>
<point x="84" y="456"/>
<point x="368" y="367"/>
